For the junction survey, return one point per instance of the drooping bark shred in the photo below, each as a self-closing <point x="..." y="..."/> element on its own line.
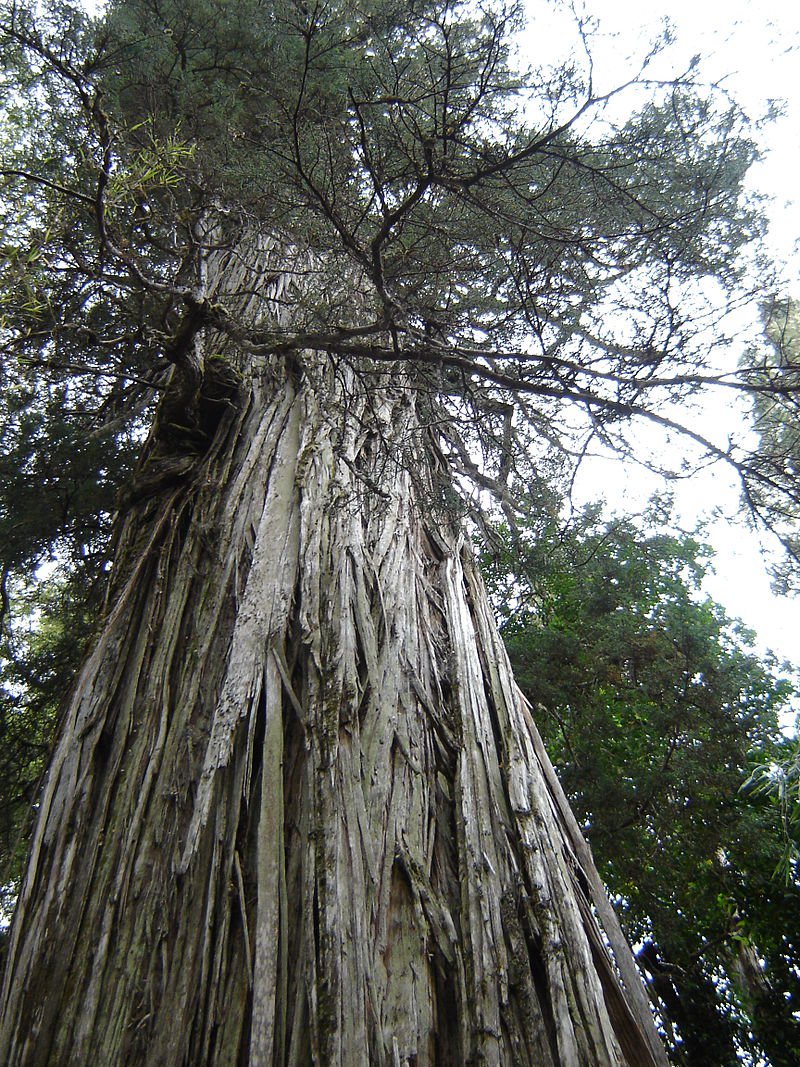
<point x="298" y="812"/>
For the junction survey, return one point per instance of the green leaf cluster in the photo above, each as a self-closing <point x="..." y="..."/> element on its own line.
<point x="774" y="371"/>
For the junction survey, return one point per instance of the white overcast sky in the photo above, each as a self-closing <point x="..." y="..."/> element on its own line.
<point x="755" y="48"/>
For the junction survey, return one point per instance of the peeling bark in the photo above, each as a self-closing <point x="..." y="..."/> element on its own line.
<point x="299" y="812"/>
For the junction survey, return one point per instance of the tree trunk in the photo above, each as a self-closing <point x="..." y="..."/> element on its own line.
<point x="774" y="1023"/>
<point x="702" y="1035"/>
<point x="298" y="812"/>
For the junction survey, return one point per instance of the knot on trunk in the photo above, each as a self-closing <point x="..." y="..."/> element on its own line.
<point x="193" y="406"/>
<point x="186" y="423"/>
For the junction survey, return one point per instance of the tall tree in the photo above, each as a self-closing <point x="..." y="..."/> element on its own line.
<point x="297" y="812"/>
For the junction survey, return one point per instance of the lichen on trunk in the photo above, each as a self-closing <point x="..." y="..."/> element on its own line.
<point x="298" y="812"/>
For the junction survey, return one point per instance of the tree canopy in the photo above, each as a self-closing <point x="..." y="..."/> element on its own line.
<point x="532" y="245"/>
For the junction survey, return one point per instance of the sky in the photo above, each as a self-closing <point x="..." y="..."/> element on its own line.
<point x="754" y="49"/>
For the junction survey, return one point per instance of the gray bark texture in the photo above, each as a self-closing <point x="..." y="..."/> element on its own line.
<point x="299" y="812"/>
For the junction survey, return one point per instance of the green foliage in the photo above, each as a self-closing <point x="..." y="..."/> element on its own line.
<point x="654" y="709"/>
<point x="57" y="480"/>
<point x="775" y="376"/>
<point x="40" y="652"/>
<point x="779" y="780"/>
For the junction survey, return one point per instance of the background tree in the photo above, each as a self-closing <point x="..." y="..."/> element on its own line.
<point x="654" y="707"/>
<point x="297" y="812"/>
<point x="774" y="371"/>
<point x="776" y="423"/>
